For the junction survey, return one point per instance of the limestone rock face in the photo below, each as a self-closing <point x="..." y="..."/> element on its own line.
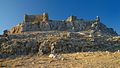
<point x="16" y="29"/>
<point x="3" y="39"/>
<point x="54" y="42"/>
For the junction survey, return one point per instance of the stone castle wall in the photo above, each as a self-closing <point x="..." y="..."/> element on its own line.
<point x="35" y="18"/>
<point x="71" y="24"/>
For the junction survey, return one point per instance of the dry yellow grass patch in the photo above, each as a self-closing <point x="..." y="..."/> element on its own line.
<point x="72" y="60"/>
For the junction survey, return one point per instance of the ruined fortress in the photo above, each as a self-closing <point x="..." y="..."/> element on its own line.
<point x="71" y="24"/>
<point x="38" y="35"/>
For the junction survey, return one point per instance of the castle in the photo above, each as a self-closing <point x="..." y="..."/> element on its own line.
<point x="72" y="24"/>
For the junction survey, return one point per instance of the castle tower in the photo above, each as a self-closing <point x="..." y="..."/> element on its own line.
<point x="45" y="17"/>
<point x="25" y="18"/>
<point x="71" y="18"/>
<point x="97" y="18"/>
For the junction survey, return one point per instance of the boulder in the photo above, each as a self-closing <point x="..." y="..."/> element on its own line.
<point x="3" y="39"/>
<point x="44" y="48"/>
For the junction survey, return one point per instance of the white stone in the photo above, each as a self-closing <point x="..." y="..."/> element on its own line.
<point x="52" y="56"/>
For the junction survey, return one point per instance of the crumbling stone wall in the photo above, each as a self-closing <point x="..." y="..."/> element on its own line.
<point x="36" y="18"/>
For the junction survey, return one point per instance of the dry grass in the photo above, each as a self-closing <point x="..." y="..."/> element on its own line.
<point x="73" y="60"/>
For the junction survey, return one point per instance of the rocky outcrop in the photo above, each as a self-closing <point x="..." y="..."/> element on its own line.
<point x="15" y="30"/>
<point x="54" y="42"/>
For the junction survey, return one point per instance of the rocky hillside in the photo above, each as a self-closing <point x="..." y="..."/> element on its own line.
<point x="39" y="35"/>
<point x="55" y="42"/>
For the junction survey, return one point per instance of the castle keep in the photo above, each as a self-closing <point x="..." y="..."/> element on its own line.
<point x="71" y="24"/>
<point x="36" y="18"/>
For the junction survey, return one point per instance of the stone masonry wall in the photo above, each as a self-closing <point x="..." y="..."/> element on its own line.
<point x="71" y="24"/>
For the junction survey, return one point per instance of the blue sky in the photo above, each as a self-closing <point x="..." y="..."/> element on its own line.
<point x="12" y="11"/>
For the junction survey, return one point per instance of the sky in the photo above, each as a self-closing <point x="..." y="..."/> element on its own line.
<point x="13" y="11"/>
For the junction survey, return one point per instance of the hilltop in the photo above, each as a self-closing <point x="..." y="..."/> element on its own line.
<point x="38" y="36"/>
<point x="41" y="22"/>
